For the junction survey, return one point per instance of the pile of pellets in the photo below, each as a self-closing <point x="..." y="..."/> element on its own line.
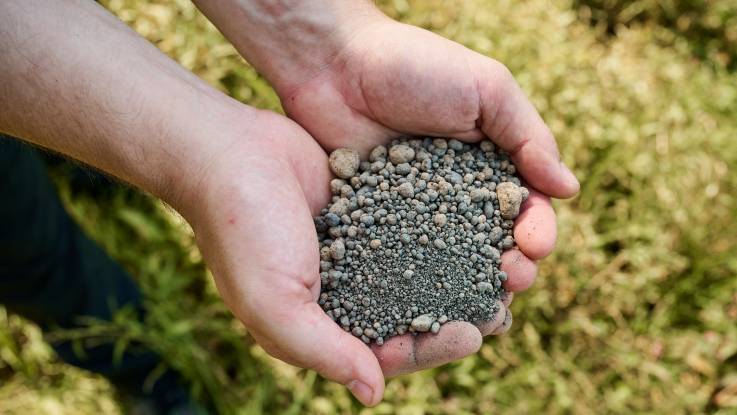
<point x="413" y="237"/>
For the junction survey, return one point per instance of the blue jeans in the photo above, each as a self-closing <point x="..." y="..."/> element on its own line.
<point x="51" y="273"/>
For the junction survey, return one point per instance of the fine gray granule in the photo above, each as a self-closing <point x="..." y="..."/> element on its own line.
<point x="413" y="237"/>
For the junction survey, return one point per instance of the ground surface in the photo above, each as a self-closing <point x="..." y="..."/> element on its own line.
<point x="635" y="312"/>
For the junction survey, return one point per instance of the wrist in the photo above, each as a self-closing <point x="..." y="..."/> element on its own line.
<point x="185" y="179"/>
<point x="257" y="152"/>
<point x="290" y="43"/>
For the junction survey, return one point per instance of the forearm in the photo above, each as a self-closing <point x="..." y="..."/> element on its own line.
<point x="289" y="41"/>
<point x="76" y="80"/>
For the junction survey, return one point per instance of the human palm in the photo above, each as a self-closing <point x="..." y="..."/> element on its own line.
<point x="256" y="233"/>
<point x="392" y="79"/>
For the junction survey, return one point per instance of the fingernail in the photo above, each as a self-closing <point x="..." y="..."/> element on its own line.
<point x="504" y="327"/>
<point x="361" y="391"/>
<point x="507" y="299"/>
<point x="569" y="176"/>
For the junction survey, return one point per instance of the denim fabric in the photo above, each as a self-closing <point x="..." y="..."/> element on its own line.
<point x="50" y="272"/>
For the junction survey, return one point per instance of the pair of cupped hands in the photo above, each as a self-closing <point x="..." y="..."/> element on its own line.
<point x="388" y="80"/>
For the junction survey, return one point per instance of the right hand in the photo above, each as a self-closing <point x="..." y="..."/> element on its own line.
<point x="252" y="212"/>
<point x="252" y="215"/>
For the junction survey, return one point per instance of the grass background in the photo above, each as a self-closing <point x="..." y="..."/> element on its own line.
<point x="635" y="312"/>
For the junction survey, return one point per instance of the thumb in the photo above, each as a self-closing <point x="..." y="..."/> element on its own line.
<point x="307" y="337"/>
<point x="510" y="120"/>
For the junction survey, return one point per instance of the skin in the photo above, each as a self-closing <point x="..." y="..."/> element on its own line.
<point x="77" y="81"/>
<point x="373" y="80"/>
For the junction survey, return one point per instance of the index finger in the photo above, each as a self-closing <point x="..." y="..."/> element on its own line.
<point x="535" y="228"/>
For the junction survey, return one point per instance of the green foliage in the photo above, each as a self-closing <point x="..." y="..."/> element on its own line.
<point x="634" y="312"/>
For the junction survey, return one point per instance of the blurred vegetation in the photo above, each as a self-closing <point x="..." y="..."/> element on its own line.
<point x="710" y="26"/>
<point x="635" y="312"/>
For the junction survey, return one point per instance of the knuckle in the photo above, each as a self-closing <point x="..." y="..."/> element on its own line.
<point x="501" y="72"/>
<point x="251" y="313"/>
